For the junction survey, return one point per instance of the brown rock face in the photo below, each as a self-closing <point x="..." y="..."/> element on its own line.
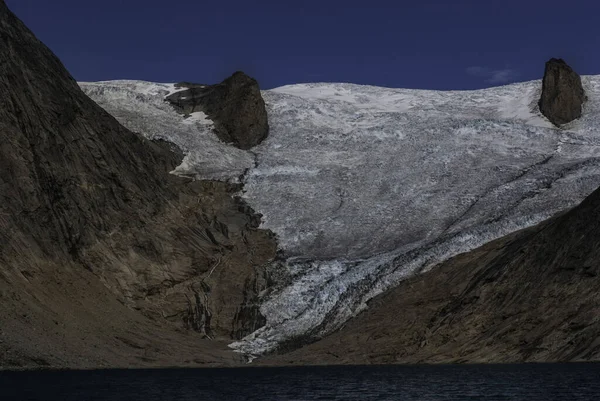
<point x="89" y="209"/>
<point x="235" y="106"/>
<point x="562" y="93"/>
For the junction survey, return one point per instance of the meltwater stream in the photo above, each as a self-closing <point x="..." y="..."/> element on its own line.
<point x="572" y="382"/>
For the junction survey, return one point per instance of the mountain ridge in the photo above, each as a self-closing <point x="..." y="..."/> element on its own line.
<point x="90" y="208"/>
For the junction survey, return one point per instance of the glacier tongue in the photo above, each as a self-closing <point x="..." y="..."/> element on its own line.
<point x="365" y="186"/>
<point x="325" y="294"/>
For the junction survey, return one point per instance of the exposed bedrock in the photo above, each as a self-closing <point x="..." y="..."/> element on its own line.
<point x="235" y="106"/>
<point x="562" y="94"/>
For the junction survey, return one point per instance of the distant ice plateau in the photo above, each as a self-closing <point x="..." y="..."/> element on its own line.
<point x="365" y="186"/>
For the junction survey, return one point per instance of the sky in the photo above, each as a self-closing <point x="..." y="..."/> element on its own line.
<point x="424" y="44"/>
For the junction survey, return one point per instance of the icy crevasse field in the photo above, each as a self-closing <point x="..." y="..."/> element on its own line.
<point x="365" y="186"/>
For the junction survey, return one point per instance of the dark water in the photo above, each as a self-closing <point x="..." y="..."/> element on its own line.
<point x="497" y="382"/>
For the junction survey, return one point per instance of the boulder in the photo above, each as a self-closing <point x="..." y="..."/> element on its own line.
<point x="562" y="93"/>
<point x="235" y="106"/>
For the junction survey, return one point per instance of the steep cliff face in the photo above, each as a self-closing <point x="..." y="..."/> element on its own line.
<point x="529" y="297"/>
<point x="235" y="106"/>
<point x="562" y="93"/>
<point x="81" y="192"/>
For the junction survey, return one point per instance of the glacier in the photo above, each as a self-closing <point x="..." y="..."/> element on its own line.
<point x="365" y="186"/>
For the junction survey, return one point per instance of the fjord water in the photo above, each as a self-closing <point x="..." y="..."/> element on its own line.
<point x="573" y="382"/>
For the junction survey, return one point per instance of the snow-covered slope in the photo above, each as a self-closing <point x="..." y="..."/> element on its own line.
<point x="367" y="185"/>
<point x="140" y="106"/>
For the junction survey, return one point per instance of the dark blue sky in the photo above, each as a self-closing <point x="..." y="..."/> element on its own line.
<point x="441" y="44"/>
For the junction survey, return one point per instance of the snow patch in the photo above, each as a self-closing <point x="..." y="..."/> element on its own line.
<point x="198" y="117"/>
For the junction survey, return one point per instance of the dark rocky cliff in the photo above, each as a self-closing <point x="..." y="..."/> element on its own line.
<point x="235" y="106"/>
<point x="84" y="202"/>
<point x="562" y="94"/>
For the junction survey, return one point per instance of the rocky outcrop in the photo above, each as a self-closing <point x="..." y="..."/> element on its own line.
<point x="529" y="297"/>
<point x="89" y="209"/>
<point x="235" y="106"/>
<point x="562" y="93"/>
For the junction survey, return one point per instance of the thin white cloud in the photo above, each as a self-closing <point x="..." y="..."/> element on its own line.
<point x="494" y="76"/>
<point x="477" y="71"/>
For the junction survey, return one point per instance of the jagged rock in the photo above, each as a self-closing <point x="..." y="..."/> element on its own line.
<point x="562" y="93"/>
<point x="98" y="241"/>
<point x="235" y="106"/>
